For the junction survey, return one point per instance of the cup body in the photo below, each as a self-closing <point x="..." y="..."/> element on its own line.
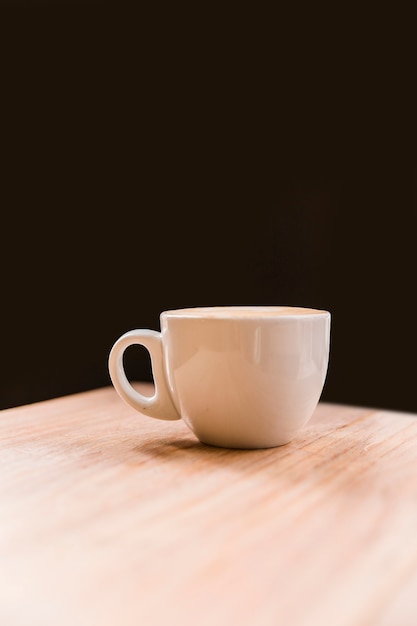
<point x="245" y="377"/>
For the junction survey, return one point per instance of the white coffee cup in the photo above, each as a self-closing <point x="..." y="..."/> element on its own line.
<point x="239" y="376"/>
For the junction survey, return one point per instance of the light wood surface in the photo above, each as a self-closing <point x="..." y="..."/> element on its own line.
<point x="110" y="518"/>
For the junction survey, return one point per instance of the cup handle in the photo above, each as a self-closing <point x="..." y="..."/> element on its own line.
<point x="160" y="405"/>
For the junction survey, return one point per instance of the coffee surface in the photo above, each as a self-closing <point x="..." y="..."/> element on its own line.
<point x="244" y="311"/>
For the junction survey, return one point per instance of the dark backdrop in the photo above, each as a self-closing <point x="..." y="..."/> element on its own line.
<point x="160" y="158"/>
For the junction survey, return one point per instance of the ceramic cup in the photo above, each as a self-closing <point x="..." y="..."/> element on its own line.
<point x="239" y="376"/>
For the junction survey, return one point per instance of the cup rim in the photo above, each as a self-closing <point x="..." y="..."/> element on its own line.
<point x="238" y="312"/>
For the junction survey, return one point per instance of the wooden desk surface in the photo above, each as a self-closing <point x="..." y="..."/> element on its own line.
<point x="110" y="518"/>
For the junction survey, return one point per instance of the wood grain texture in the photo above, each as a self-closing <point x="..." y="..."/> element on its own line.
<point x="110" y="518"/>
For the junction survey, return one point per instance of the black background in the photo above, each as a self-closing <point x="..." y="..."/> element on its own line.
<point x="162" y="157"/>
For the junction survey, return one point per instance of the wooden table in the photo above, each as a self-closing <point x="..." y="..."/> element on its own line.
<point x="110" y="518"/>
